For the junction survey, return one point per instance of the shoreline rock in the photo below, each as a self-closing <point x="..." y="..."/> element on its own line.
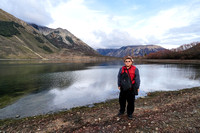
<point x="166" y="111"/>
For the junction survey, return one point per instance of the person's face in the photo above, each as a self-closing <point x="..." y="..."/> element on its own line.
<point x="128" y="62"/>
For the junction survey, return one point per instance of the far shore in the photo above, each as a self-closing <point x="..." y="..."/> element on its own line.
<point x="75" y="59"/>
<point x="83" y="59"/>
<point x="164" y="111"/>
<point x="174" y="61"/>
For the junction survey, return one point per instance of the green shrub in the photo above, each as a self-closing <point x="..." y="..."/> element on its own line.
<point x="8" y="29"/>
<point x="69" y="39"/>
<point x="39" y="39"/>
<point x="47" y="49"/>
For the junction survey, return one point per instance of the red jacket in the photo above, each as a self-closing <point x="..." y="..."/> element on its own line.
<point x="131" y="71"/>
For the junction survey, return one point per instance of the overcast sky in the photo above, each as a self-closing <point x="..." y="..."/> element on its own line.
<point x="115" y="23"/>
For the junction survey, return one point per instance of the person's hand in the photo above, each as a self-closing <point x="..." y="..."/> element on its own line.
<point x="119" y="87"/>
<point x="138" y="89"/>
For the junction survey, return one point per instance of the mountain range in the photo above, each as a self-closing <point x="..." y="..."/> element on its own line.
<point x="192" y="52"/>
<point x="136" y="50"/>
<point x="185" y="47"/>
<point x="20" y="40"/>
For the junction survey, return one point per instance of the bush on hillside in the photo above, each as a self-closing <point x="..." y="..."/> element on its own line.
<point x="69" y="39"/>
<point x="39" y="39"/>
<point x="192" y="53"/>
<point x="8" y="29"/>
<point x="47" y="49"/>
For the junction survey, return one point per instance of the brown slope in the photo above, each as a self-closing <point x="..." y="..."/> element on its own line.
<point x="63" y="39"/>
<point x="18" y="40"/>
<point x="191" y="53"/>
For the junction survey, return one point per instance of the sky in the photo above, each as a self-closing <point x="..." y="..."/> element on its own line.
<point x="115" y="23"/>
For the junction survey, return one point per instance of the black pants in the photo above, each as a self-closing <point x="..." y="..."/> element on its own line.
<point x="128" y="96"/>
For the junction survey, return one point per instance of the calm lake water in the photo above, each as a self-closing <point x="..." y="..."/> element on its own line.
<point x="41" y="88"/>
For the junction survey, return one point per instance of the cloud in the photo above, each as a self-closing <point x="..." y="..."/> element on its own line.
<point x="102" y="26"/>
<point x="29" y="10"/>
<point x="177" y="25"/>
<point x="90" y="25"/>
<point x="116" y="39"/>
<point x="101" y="29"/>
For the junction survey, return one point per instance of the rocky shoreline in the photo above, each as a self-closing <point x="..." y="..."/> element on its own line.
<point x="167" y="111"/>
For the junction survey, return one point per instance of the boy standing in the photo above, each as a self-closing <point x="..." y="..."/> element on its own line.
<point x="128" y="94"/>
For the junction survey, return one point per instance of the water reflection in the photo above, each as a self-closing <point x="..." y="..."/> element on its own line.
<point x="67" y="86"/>
<point x="17" y="80"/>
<point x="168" y="77"/>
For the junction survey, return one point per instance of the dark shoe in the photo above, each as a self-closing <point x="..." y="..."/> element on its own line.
<point x="120" y="114"/>
<point x="130" y="117"/>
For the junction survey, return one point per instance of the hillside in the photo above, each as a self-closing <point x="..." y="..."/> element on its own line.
<point x="137" y="50"/>
<point x="19" y="40"/>
<point x="62" y="38"/>
<point x="191" y="53"/>
<point x="184" y="47"/>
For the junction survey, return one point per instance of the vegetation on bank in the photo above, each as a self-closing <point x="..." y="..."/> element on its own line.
<point x="192" y="53"/>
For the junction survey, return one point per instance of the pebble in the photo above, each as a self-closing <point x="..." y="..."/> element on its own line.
<point x="99" y="119"/>
<point x="190" y="128"/>
<point x="156" y="128"/>
<point x="78" y="113"/>
<point x="144" y="120"/>
<point x="137" y="131"/>
<point x="153" y="122"/>
<point x="194" y="111"/>
<point x="118" y="118"/>
<point x="17" y="116"/>
<point x="129" y="124"/>
<point x="142" y="97"/>
<point x="148" y="94"/>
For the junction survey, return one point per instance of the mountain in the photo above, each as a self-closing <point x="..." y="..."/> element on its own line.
<point x="137" y="50"/>
<point x="19" y="40"/>
<point x="191" y="53"/>
<point x="62" y="38"/>
<point x="105" y="51"/>
<point x="185" y="47"/>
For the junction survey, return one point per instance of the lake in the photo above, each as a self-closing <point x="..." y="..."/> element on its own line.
<point x="40" y="88"/>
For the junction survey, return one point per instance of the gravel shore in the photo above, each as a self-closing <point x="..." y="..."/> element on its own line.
<point x="167" y="111"/>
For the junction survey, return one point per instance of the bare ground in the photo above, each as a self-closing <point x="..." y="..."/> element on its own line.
<point x="172" y="111"/>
